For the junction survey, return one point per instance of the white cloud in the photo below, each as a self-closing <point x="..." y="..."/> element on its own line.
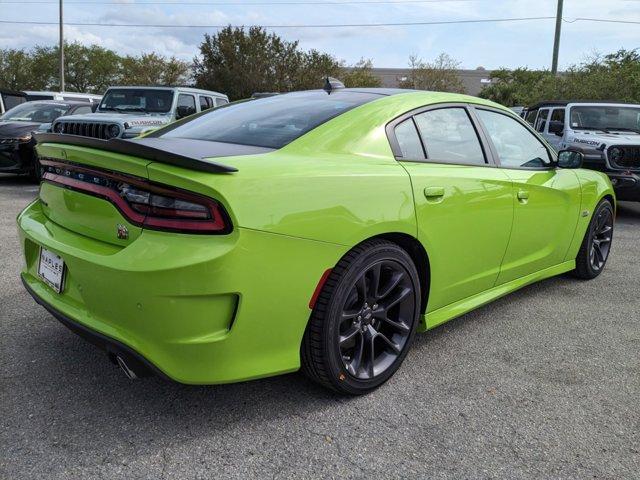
<point x="491" y="45"/>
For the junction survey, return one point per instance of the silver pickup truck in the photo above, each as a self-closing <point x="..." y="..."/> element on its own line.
<point x="126" y="112"/>
<point x="607" y="133"/>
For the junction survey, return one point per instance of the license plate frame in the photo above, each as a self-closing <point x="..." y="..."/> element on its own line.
<point x="52" y="270"/>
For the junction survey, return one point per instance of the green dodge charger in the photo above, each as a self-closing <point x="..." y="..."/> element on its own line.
<point x="318" y="229"/>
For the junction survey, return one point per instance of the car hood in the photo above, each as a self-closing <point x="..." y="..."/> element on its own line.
<point x="596" y="138"/>
<point x="17" y="129"/>
<point x="133" y="119"/>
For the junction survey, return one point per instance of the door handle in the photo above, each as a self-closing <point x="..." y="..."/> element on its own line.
<point x="434" y="193"/>
<point x="523" y="195"/>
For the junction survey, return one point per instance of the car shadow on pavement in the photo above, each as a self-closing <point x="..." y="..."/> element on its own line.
<point x="75" y="387"/>
<point x="16" y="180"/>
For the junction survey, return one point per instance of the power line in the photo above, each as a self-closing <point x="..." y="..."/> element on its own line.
<point x="329" y="25"/>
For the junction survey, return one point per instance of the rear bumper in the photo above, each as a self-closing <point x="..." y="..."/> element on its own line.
<point x="198" y="309"/>
<point x="103" y="342"/>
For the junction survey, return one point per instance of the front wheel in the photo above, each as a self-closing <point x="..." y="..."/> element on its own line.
<point x="596" y="244"/>
<point x="364" y="319"/>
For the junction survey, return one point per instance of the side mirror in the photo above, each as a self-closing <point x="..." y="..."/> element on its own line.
<point x="570" y="159"/>
<point x="556" y="127"/>
<point x="184" y="111"/>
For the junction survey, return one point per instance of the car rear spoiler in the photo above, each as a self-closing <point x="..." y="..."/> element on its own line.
<point x="173" y="152"/>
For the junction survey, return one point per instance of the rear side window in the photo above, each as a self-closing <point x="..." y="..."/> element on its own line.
<point x="205" y="103"/>
<point x="531" y="116"/>
<point x="517" y="147"/>
<point x="449" y="136"/>
<point x="77" y="99"/>
<point x="271" y="122"/>
<point x="11" y="101"/>
<point x="409" y="140"/>
<point x="558" y="115"/>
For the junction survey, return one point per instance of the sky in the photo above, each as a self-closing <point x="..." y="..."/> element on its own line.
<point x="490" y="45"/>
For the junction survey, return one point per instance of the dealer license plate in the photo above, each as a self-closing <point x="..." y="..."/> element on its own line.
<point x="51" y="269"/>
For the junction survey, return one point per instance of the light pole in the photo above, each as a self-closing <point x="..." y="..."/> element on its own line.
<point x="61" y="49"/>
<point x="556" y="40"/>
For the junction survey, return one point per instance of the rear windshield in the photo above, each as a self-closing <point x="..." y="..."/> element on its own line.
<point x="271" y="122"/>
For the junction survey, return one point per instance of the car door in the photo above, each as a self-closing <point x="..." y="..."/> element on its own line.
<point x="463" y="203"/>
<point x="546" y="199"/>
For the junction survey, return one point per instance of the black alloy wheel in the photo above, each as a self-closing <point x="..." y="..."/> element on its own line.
<point x="596" y="245"/>
<point x="364" y="319"/>
<point x="601" y="236"/>
<point x="376" y="319"/>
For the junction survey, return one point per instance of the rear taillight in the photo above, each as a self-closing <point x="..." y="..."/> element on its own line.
<point x="145" y="204"/>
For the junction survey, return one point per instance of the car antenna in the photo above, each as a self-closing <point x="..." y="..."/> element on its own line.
<point x="331" y="84"/>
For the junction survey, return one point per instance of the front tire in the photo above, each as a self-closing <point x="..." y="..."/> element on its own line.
<point x="596" y="245"/>
<point x="364" y="319"/>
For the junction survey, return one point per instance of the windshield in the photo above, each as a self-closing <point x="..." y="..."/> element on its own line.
<point x="271" y="122"/>
<point x="137" y="100"/>
<point x="35" y="112"/>
<point x="602" y="117"/>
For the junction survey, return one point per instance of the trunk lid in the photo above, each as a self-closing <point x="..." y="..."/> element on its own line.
<point x="84" y="214"/>
<point x="94" y="188"/>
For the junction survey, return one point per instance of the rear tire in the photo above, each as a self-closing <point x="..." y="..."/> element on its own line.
<point x="596" y="245"/>
<point x="364" y="319"/>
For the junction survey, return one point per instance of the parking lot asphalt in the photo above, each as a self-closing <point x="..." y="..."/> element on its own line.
<point x="544" y="383"/>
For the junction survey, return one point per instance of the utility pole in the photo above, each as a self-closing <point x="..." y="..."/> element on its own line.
<point x="61" y="49"/>
<point x="556" y="40"/>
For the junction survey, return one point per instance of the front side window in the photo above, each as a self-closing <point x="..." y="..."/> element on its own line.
<point x="35" y="112"/>
<point x="188" y="102"/>
<point x="137" y="100"/>
<point x="221" y="101"/>
<point x="449" y="136"/>
<point x="409" y="140"/>
<point x="541" y="123"/>
<point x="517" y="147"/>
<point x="558" y="115"/>
<point x="270" y="122"/>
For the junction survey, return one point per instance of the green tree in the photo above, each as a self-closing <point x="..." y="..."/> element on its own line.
<point x="360" y="75"/>
<point x="517" y="87"/>
<point x="153" y="69"/>
<point x="615" y="76"/>
<point x="15" y="70"/>
<point x="439" y="75"/>
<point x="90" y="69"/>
<point x="239" y="62"/>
